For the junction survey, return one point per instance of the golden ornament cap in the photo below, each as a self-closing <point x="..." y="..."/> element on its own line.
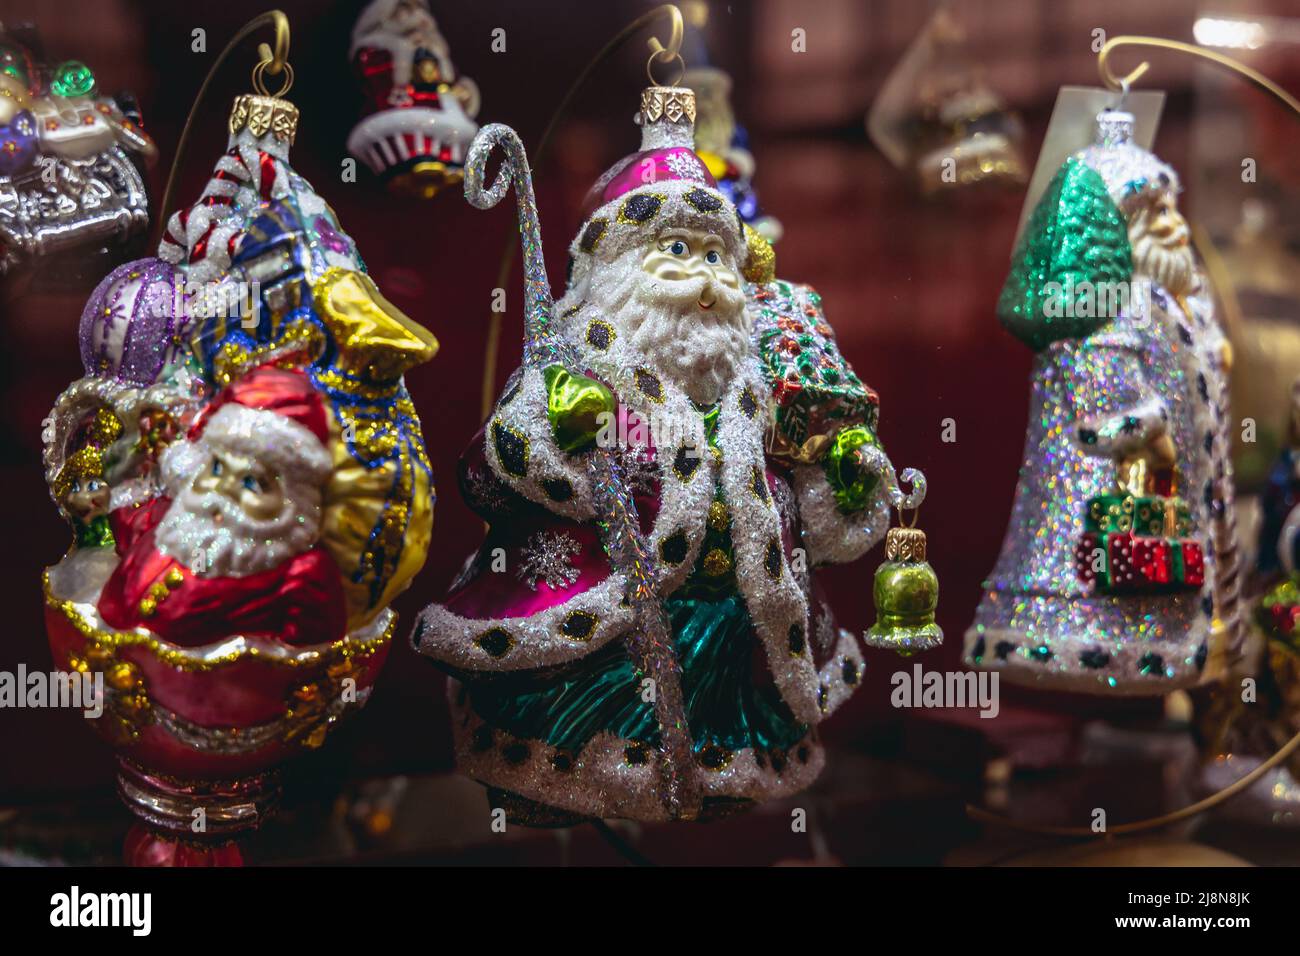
<point x="905" y="544"/>
<point x="264" y="114"/>
<point x="673" y="104"/>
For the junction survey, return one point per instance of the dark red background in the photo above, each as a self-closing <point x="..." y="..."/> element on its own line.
<point x="909" y="284"/>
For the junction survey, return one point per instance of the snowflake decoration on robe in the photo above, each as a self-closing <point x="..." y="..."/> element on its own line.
<point x="548" y="557"/>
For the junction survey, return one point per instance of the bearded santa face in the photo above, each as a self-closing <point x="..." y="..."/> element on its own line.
<point x="233" y="515"/>
<point x="678" y="302"/>
<point x="1161" y="242"/>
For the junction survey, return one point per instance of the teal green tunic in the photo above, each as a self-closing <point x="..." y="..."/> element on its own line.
<point x="729" y="697"/>
<point x="725" y="705"/>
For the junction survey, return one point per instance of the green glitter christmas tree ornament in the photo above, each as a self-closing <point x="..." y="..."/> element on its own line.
<point x="1073" y="258"/>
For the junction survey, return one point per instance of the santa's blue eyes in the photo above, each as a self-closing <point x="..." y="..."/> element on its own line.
<point x="249" y="482"/>
<point x="680" y="249"/>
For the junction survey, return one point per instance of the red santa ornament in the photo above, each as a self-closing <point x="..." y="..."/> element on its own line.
<point x="248" y="487"/>
<point x="419" y="118"/>
<point x="233" y="545"/>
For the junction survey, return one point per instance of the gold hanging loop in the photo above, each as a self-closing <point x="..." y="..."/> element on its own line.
<point x="670" y="58"/>
<point x="265" y="66"/>
<point x="1120" y="83"/>
<point x="280" y="56"/>
<point x="658" y="51"/>
<point x="670" y="53"/>
<point x="274" y="61"/>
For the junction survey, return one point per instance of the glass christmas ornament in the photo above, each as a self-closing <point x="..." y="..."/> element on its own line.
<point x="71" y="159"/>
<point x="662" y="476"/>
<point x="906" y="592"/>
<point x="1119" y="571"/>
<point x="248" y="489"/>
<point x="938" y="118"/>
<point x="420" y="112"/>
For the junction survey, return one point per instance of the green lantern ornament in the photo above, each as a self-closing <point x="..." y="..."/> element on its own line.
<point x="906" y="593"/>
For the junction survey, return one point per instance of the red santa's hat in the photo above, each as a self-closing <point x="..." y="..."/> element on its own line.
<point x="275" y="416"/>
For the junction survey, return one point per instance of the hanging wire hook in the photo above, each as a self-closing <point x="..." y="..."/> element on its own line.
<point x="274" y="61"/>
<point x="1119" y="83"/>
<point x="658" y="50"/>
<point x="671" y="52"/>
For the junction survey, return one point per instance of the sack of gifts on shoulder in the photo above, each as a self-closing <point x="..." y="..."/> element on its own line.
<point x="1138" y="539"/>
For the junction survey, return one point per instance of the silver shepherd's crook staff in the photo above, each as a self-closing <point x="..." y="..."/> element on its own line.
<point x="649" y="642"/>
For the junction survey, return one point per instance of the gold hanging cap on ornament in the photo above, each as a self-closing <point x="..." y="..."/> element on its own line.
<point x="905" y="544"/>
<point x="675" y="104"/>
<point x="263" y="114"/>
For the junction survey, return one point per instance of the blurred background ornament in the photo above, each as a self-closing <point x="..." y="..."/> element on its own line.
<point x="1255" y="709"/>
<point x="248" y="488"/>
<point x="71" y="157"/>
<point x="420" y="112"/>
<point x="720" y="141"/>
<point x="937" y="118"/>
<point x="1118" y="572"/>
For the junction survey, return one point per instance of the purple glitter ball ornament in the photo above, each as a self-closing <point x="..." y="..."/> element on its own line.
<point x="133" y="325"/>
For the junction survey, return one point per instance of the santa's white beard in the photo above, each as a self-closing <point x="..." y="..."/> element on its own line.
<point x="213" y="537"/>
<point x="701" y="351"/>
<point x="1172" y="269"/>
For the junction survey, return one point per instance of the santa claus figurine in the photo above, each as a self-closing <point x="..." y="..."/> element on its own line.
<point x="249" y="487"/>
<point x="419" y="113"/>
<point x="233" y="545"/>
<point x="1119" y="571"/>
<point x="640" y="634"/>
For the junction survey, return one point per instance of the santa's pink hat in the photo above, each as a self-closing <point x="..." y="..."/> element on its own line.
<point x="664" y="183"/>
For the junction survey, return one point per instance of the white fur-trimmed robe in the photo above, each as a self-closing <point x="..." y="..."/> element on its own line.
<point x="774" y="511"/>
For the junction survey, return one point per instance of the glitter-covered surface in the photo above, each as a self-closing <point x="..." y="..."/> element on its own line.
<point x="655" y="505"/>
<point x="1155" y="369"/>
<point x="1037" y="621"/>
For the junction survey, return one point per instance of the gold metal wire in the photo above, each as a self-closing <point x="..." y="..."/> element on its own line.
<point x="274" y="61"/>
<point x="659" y="52"/>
